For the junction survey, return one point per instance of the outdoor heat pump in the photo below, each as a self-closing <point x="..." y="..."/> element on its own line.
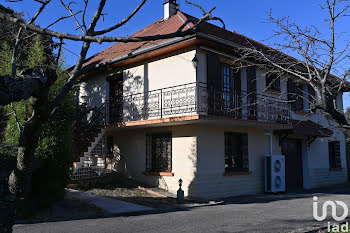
<point x="275" y="173"/>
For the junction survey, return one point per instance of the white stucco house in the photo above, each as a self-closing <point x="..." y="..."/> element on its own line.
<point x="179" y="108"/>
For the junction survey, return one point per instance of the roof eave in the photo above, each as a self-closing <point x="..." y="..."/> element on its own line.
<point x="136" y="53"/>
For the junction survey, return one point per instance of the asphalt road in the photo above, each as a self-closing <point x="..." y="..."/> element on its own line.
<point x="277" y="213"/>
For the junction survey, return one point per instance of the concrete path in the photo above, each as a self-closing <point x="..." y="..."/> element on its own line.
<point x="110" y="205"/>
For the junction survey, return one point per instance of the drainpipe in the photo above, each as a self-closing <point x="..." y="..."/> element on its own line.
<point x="270" y="139"/>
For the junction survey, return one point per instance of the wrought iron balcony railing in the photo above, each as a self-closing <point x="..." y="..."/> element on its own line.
<point x="197" y="98"/>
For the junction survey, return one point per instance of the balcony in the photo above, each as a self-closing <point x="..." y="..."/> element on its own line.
<point x="197" y="98"/>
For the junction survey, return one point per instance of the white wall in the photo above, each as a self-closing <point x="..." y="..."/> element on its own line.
<point x="132" y="145"/>
<point x="94" y="91"/>
<point x="167" y="72"/>
<point x="210" y="181"/>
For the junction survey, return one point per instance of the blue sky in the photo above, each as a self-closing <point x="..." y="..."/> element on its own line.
<point x="245" y="17"/>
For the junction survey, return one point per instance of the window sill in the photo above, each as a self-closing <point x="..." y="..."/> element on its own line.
<point x="274" y="92"/>
<point x="242" y="173"/>
<point x="158" y="174"/>
<point x="335" y="169"/>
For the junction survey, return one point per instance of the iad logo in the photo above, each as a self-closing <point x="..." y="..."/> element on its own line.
<point x="333" y="205"/>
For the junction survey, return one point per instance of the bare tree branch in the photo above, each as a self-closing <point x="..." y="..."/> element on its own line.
<point x="73" y="15"/>
<point x="121" y="23"/>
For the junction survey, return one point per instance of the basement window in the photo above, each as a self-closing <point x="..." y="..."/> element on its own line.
<point x="159" y="152"/>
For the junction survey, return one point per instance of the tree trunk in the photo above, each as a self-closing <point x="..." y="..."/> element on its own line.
<point x="19" y="179"/>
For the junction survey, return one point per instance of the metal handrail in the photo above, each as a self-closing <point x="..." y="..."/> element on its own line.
<point x="197" y="98"/>
<point x="206" y="86"/>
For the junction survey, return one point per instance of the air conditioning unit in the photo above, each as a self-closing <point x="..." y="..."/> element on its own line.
<point x="275" y="173"/>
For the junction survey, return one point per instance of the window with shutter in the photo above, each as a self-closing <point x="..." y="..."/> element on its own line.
<point x="334" y="154"/>
<point x="236" y="152"/>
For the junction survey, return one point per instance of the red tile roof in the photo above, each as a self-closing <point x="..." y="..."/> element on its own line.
<point x="179" y="21"/>
<point x="171" y="25"/>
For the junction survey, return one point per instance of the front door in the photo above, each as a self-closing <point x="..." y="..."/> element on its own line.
<point x="115" y="98"/>
<point x="292" y="150"/>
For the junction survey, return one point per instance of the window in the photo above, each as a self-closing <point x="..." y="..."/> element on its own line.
<point x="273" y="82"/>
<point x="236" y="152"/>
<point x="334" y="154"/>
<point x="228" y="86"/>
<point x="231" y="86"/>
<point x="158" y="152"/>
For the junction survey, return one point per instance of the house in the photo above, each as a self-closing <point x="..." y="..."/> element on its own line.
<point x="181" y="108"/>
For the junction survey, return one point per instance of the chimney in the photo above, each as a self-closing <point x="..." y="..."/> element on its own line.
<point x="170" y="8"/>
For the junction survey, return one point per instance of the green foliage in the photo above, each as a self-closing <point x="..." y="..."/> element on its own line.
<point x="36" y="54"/>
<point x="12" y="132"/>
<point x="5" y="58"/>
<point x="5" y="69"/>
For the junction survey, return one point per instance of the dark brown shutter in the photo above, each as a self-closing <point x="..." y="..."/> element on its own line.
<point x="245" y="156"/>
<point x="334" y="154"/>
<point x="237" y="81"/>
<point x="110" y="145"/>
<point x="299" y="97"/>
<point x="251" y="91"/>
<point x="237" y="95"/>
<point x="214" y="77"/>
<point x="291" y="93"/>
<point x="115" y="97"/>
<point x="251" y="80"/>
<point x="337" y="154"/>
<point x="311" y="97"/>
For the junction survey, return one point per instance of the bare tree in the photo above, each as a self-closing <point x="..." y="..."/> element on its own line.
<point x="322" y="54"/>
<point x="34" y="84"/>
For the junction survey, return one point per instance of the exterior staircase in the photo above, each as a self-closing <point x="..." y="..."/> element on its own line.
<point x="91" y="144"/>
<point x="96" y="149"/>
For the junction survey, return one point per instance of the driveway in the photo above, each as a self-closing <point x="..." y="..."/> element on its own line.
<point x="264" y="213"/>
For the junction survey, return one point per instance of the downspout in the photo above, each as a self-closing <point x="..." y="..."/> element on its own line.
<point x="270" y="138"/>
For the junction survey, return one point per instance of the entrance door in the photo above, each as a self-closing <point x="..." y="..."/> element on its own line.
<point x="291" y="149"/>
<point x="115" y="98"/>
